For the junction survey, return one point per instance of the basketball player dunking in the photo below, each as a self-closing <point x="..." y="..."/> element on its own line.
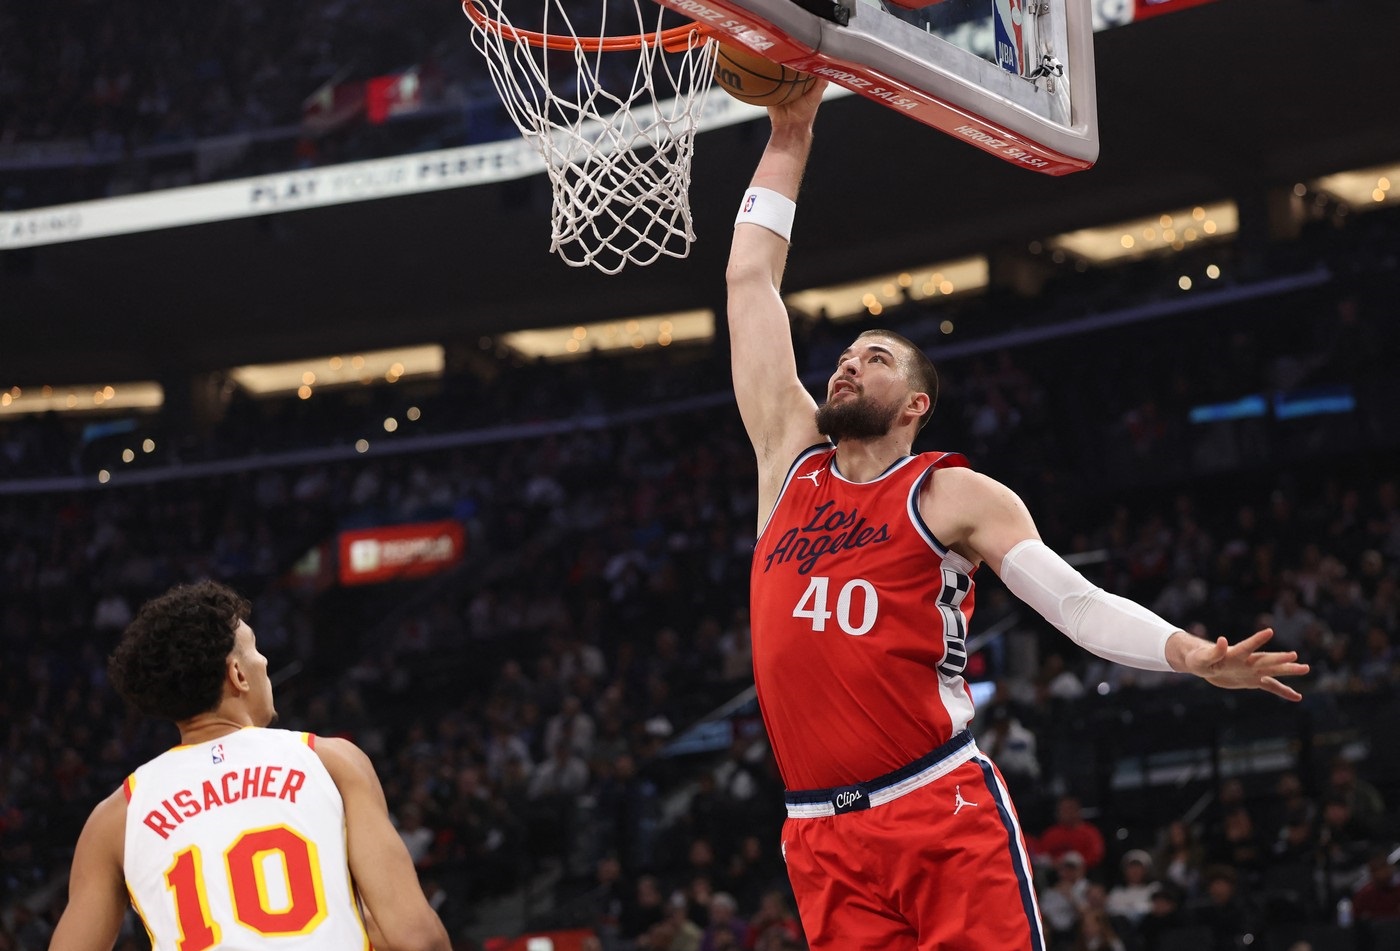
<point x="241" y="836"/>
<point x="900" y="833"/>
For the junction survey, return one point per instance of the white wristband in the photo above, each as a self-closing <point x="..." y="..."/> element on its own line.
<point x="768" y="209"/>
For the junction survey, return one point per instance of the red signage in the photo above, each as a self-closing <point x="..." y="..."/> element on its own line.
<point x="1152" y="8"/>
<point x="389" y="96"/>
<point x="331" y="106"/>
<point x="395" y="552"/>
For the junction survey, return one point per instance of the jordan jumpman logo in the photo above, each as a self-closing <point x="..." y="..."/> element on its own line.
<point x="959" y="801"/>
<point x="813" y="475"/>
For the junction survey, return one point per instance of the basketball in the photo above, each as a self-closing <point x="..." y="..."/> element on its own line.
<point x="748" y="77"/>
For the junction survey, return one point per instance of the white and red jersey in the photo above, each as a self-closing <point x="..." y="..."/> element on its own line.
<point x="859" y="618"/>
<point x="240" y="843"/>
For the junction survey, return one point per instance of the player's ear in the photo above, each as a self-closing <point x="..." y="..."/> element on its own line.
<point x="918" y="404"/>
<point x="235" y="676"/>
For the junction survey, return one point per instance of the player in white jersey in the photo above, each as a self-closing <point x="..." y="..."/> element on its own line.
<point x="242" y="837"/>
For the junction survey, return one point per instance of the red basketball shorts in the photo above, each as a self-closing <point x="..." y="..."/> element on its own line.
<point x="928" y="857"/>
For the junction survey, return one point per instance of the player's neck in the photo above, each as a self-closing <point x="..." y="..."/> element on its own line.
<point x="204" y="727"/>
<point x="862" y="460"/>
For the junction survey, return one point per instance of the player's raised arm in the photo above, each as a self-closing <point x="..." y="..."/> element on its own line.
<point x="776" y="408"/>
<point x="400" y="917"/>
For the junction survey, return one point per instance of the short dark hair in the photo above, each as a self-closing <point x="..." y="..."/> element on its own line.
<point x="171" y="659"/>
<point x="922" y="373"/>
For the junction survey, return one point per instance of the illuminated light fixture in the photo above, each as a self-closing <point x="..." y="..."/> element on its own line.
<point x="1184" y="282"/>
<point x="362" y="445"/>
<point x="849" y="301"/>
<point x="105" y="398"/>
<point x="1363" y="188"/>
<point x="1212" y="271"/>
<point x="128" y="455"/>
<point x="1139" y="238"/>
<point x="391" y="424"/>
<point x="298" y="376"/>
<point x="103" y="476"/>
<point x="414" y="414"/>
<point x="148" y="445"/>
<point x="574" y="341"/>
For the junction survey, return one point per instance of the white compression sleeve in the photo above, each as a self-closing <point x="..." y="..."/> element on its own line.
<point x="1114" y="628"/>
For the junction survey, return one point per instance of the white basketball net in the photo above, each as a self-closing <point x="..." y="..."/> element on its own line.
<point x="616" y="130"/>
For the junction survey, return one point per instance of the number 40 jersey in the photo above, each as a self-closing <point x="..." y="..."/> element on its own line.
<point x="239" y="843"/>
<point x="859" y="618"/>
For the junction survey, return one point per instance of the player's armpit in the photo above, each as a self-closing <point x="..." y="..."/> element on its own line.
<point x="380" y="864"/>
<point x="975" y="515"/>
<point x="97" y="899"/>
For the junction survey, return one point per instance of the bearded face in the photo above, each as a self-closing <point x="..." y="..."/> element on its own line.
<point x="857" y="416"/>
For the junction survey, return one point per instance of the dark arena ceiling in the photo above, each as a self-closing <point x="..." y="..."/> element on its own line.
<point x="1208" y="103"/>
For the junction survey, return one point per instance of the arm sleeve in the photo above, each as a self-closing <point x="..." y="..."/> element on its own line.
<point x="1114" y="628"/>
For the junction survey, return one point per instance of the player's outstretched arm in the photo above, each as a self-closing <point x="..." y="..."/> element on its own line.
<point x="987" y="522"/>
<point x="776" y="409"/>
<point x="96" y="887"/>
<point x="400" y="916"/>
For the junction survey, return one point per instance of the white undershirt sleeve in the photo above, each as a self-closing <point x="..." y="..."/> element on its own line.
<point x="1114" y="628"/>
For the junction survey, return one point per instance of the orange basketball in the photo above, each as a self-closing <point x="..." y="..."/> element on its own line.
<point x="750" y="78"/>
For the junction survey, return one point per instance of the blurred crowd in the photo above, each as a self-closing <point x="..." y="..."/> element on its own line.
<point x="101" y="99"/>
<point x="530" y="711"/>
<point x="520" y="709"/>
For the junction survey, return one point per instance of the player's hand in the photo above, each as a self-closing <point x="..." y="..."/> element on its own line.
<point x="1241" y="666"/>
<point x="800" y="112"/>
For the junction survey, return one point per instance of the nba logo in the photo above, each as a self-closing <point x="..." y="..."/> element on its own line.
<point x="217" y="753"/>
<point x="749" y="203"/>
<point x="1008" y="19"/>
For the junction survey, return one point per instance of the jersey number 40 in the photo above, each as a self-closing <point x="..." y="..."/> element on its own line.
<point x="857" y="608"/>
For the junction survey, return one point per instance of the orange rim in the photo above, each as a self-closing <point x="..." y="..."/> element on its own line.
<point x="674" y="40"/>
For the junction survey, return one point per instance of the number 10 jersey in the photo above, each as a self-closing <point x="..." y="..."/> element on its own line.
<point x="240" y="843"/>
<point x="859" y="618"/>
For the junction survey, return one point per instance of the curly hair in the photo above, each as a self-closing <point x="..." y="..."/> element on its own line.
<point x="170" y="660"/>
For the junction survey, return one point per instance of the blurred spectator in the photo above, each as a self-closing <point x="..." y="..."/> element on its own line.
<point x="774" y="924"/>
<point x="1180" y="857"/>
<point x="726" y="930"/>
<point x="1132" y="897"/>
<point x="1363" y="800"/>
<point x="1062" y="903"/>
<point x="1096" y="933"/>
<point x="1223" y="910"/>
<point x="1378" y="896"/>
<point x="1165" y="915"/>
<point x="1070" y="832"/>
<point x="1013" y="748"/>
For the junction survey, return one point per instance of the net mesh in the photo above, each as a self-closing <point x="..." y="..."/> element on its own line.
<point x="614" y="121"/>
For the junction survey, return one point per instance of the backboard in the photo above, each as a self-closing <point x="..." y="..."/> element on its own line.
<point x="1012" y="77"/>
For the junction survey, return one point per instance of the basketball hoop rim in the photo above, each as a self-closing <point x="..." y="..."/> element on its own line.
<point x="674" y="40"/>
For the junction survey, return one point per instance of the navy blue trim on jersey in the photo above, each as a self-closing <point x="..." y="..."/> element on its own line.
<point x="899" y="463"/>
<point x="861" y="791"/>
<point x="915" y="516"/>
<point x="1023" y="877"/>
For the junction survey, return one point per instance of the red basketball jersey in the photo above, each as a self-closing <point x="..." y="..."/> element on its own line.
<point x="859" y="619"/>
